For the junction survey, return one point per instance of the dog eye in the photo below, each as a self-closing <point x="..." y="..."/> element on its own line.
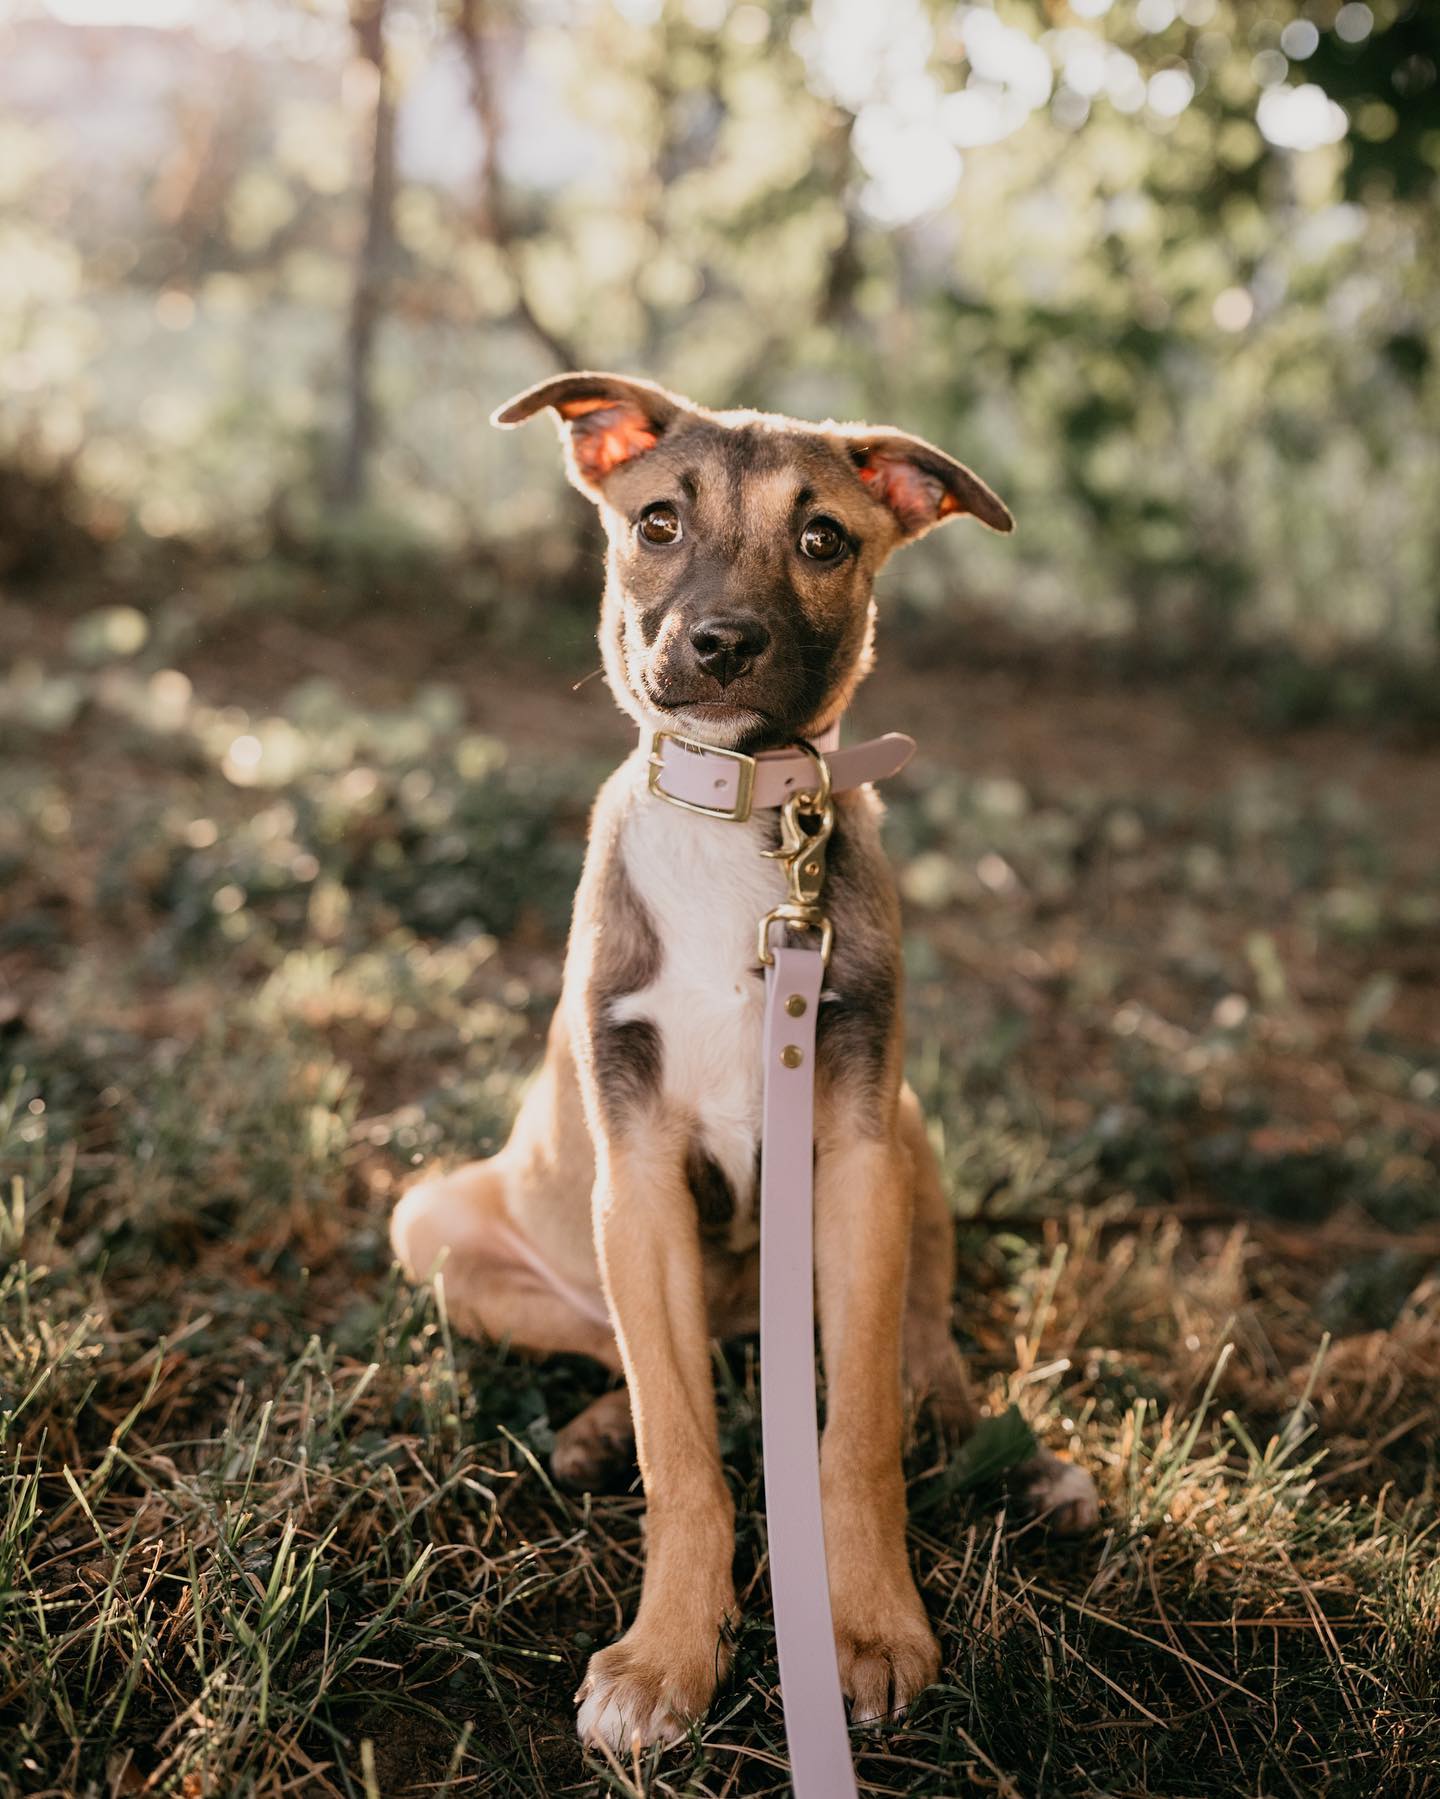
<point x="660" y="524"/>
<point x="822" y="540"/>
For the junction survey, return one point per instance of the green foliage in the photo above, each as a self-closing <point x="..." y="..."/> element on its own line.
<point x="357" y="823"/>
<point x="1199" y="362"/>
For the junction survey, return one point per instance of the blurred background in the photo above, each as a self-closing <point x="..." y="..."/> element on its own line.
<point x="298" y="732"/>
<point x="1166" y="272"/>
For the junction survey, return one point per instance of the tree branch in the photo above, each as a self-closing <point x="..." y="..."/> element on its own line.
<point x="494" y="216"/>
<point x="367" y="19"/>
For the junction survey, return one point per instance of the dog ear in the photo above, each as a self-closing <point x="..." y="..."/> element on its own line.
<point x="604" y="420"/>
<point x="921" y="485"/>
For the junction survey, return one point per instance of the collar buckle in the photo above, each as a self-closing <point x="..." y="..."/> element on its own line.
<point x="744" y="777"/>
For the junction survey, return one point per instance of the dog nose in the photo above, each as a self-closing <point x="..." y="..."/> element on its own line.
<point x="728" y="647"/>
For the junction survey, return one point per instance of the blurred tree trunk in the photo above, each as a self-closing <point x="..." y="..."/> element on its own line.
<point x="367" y="21"/>
<point x="470" y="26"/>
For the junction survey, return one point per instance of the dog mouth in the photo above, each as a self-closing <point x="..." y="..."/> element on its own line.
<point x="731" y="724"/>
<point x="710" y="708"/>
<point x="727" y="717"/>
<point x="704" y="705"/>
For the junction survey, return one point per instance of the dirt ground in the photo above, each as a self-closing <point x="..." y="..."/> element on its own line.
<point x="1174" y="994"/>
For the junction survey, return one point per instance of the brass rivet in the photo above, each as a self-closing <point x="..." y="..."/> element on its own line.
<point x="812" y="868"/>
<point x="795" y="1005"/>
<point x="792" y="1055"/>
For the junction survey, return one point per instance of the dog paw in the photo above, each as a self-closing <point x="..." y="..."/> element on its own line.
<point x="1059" y="1494"/>
<point x="635" y="1694"/>
<point x="595" y="1451"/>
<point x="940" y="1390"/>
<point x="886" y="1661"/>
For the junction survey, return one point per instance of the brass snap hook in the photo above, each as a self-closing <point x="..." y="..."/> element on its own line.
<point x="807" y="820"/>
<point x="805" y="918"/>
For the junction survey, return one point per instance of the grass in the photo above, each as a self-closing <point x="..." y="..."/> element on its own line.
<point x="271" y="939"/>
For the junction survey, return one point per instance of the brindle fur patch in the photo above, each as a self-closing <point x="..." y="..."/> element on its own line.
<point x="858" y="1025"/>
<point x="628" y="1054"/>
<point x="714" y="1197"/>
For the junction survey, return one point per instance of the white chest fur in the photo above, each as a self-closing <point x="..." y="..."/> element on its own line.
<point x="706" y="886"/>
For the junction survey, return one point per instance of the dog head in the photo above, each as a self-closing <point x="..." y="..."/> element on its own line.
<point x="743" y="550"/>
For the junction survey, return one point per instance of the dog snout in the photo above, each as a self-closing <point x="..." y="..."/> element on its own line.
<point x="729" y="646"/>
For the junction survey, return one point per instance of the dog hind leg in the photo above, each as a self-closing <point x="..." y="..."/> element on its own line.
<point x="1060" y="1493"/>
<point x="595" y="1451"/>
<point x="497" y="1284"/>
<point x="934" y="1368"/>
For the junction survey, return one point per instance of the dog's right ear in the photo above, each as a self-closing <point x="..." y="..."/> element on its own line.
<point x="604" y="420"/>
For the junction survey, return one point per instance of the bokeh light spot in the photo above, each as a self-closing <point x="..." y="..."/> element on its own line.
<point x="1354" y="22"/>
<point x="1233" y="309"/>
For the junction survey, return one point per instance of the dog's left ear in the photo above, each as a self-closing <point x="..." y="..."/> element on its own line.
<point x="604" y="420"/>
<point x="921" y="485"/>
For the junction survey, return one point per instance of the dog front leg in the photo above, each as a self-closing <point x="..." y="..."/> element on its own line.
<point x="660" y="1676"/>
<point x="887" y="1651"/>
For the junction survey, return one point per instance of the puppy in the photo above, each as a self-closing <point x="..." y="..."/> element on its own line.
<point x="619" y="1221"/>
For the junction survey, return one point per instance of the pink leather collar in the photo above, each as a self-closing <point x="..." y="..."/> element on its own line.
<point x="725" y="784"/>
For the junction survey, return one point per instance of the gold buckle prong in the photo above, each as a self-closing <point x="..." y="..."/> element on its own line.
<point x="745" y="790"/>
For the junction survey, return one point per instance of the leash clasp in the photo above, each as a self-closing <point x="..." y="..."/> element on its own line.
<point x="807" y="820"/>
<point x="809" y="918"/>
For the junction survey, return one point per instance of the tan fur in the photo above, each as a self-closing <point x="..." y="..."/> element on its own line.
<point x="585" y="1234"/>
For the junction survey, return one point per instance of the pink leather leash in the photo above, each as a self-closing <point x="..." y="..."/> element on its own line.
<point x="815" y="1725"/>
<point x="726" y="785"/>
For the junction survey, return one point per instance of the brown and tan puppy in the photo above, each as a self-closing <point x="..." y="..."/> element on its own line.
<point x="620" y="1219"/>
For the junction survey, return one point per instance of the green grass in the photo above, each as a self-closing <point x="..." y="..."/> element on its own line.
<point x="268" y="1527"/>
